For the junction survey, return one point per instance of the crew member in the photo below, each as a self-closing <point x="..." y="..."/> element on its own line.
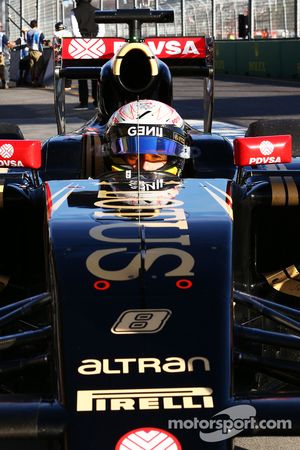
<point x="34" y="39"/>
<point x="84" y="25"/>
<point x="5" y="44"/>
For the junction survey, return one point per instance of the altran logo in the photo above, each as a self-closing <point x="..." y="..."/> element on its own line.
<point x="266" y="148"/>
<point x="148" y="439"/>
<point x="6" y="151"/>
<point x="86" y="48"/>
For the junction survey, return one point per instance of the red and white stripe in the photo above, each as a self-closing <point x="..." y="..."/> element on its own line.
<point x="86" y="48"/>
<point x="148" y="439"/>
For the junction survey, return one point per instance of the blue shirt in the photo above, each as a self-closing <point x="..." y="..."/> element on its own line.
<point x="35" y="39"/>
<point x="3" y="41"/>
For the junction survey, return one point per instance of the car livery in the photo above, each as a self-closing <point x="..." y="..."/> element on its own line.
<point x="136" y="308"/>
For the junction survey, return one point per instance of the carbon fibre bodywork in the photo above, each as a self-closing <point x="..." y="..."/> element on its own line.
<point x="151" y="364"/>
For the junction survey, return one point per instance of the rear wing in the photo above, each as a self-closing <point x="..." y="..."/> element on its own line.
<point x="176" y="52"/>
<point x="83" y="58"/>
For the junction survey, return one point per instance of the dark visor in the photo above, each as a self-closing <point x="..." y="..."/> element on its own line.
<point x="149" y="144"/>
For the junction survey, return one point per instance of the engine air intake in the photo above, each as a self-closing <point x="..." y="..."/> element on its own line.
<point x="135" y="66"/>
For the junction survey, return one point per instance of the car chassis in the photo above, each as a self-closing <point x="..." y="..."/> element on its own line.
<point x="122" y="312"/>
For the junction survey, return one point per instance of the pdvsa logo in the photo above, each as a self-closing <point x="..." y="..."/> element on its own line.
<point x="148" y="439"/>
<point x="6" y="151"/>
<point x="173" y="47"/>
<point x="266" y="148"/>
<point x="86" y="48"/>
<point x="188" y="47"/>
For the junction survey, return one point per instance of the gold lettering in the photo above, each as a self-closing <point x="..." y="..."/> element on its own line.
<point x="190" y="363"/>
<point x="125" y="363"/>
<point x="257" y="66"/>
<point x="188" y="403"/>
<point x="90" y="367"/>
<point x="146" y="363"/>
<point x="149" y="403"/>
<point x="122" y="403"/>
<point x="97" y="232"/>
<point x="174" y="365"/>
<point x="100" y="404"/>
<point x="106" y="368"/>
<point x="208" y="401"/>
<point x="131" y="271"/>
<point x="168" y="403"/>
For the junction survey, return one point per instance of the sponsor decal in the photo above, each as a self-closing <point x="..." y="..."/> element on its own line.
<point x="145" y="130"/>
<point x="172" y="47"/>
<point x="168" y="213"/>
<point x="144" y="399"/>
<point x="86" y="48"/>
<point x="7" y="151"/>
<point x="179" y="138"/>
<point x="142" y="185"/>
<point x="148" y="439"/>
<point x="121" y="366"/>
<point x="135" y="321"/>
<point x="81" y="48"/>
<point x="265" y="160"/>
<point x="26" y="153"/>
<point x="11" y="163"/>
<point x="190" y="47"/>
<point x="262" y="150"/>
<point x="266" y="148"/>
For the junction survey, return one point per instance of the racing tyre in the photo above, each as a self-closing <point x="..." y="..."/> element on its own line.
<point x="273" y="127"/>
<point x="10" y="131"/>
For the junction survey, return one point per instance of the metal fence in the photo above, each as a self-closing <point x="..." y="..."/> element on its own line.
<point x="264" y="19"/>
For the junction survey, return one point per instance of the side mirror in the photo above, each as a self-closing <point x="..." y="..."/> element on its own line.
<point x="253" y="151"/>
<point x="21" y="154"/>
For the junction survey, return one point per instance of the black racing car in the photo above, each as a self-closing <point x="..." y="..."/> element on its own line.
<point x="147" y="309"/>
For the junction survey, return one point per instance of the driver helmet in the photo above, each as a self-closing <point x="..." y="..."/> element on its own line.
<point x="146" y="135"/>
<point x="59" y="26"/>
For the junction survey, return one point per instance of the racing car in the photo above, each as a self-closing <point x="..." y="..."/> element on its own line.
<point x="149" y="277"/>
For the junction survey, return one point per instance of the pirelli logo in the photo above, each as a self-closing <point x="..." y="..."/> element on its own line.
<point x="145" y="399"/>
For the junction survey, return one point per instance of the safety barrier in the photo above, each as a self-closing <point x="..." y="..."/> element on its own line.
<point x="265" y="58"/>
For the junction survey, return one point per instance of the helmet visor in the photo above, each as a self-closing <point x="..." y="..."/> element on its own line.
<point x="149" y="144"/>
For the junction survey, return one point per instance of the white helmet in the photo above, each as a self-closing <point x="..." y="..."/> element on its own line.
<point x="148" y="127"/>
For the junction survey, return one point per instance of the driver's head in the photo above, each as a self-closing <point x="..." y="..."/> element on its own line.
<point x="59" y="26"/>
<point x="147" y="135"/>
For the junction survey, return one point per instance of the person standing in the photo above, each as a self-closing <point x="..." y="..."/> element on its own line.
<point x="60" y="33"/>
<point x="5" y="44"/>
<point x="84" y="25"/>
<point x="34" y="39"/>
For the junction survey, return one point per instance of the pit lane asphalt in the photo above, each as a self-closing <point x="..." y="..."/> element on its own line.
<point x="237" y="100"/>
